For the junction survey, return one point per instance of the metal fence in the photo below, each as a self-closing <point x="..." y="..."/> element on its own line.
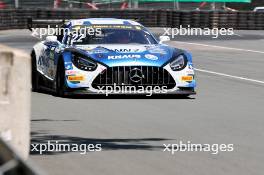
<point x="18" y="19"/>
<point x="123" y="4"/>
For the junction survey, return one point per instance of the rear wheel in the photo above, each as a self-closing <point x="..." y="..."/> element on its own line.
<point x="34" y="73"/>
<point x="60" y="79"/>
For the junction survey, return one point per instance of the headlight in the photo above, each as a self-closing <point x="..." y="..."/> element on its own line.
<point x="178" y="63"/>
<point x="83" y="62"/>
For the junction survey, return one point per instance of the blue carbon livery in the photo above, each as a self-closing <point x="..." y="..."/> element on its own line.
<point x="110" y="52"/>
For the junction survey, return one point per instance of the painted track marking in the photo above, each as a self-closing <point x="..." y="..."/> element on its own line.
<point x="222" y="47"/>
<point x="230" y="76"/>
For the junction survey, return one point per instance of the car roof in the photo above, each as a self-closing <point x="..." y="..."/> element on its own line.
<point x="98" y="21"/>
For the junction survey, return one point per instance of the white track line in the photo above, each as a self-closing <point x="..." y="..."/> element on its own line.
<point x="223" y="74"/>
<point x="222" y="47"/>
<point x="230" y="76"/>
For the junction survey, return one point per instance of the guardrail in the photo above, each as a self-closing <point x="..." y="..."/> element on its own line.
<point x="17" y="19"/>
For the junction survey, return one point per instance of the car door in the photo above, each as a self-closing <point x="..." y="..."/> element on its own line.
<point x="46" y="60"/>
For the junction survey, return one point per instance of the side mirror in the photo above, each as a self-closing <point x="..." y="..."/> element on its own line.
<point x="51" y="39"/>
<point x="164" y="38"/>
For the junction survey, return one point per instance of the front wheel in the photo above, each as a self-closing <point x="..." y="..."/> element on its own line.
<point x="60" y="79"/>
<point x="34" y="73"/>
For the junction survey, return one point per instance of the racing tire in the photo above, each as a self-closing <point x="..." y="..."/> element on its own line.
<point x="60" y="79"/>
<point x="34" y="73"/>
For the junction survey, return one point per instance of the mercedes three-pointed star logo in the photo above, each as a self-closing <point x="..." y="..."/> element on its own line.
<point x="136" y="75"/>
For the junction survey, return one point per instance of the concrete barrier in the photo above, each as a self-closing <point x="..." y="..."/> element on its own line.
<point x="15" y="91"/>
<point x="12" y="164"/>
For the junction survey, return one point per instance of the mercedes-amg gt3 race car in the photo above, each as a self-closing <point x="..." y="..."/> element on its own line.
<point x="110" y="56"/>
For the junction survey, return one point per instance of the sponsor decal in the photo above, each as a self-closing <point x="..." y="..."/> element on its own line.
<point x="187" y="78"/>
<point x="68" y="66"/>
<point x="137" y="27"/>
<point x="190" y="72"/>
<point x="129" y="56"/>
<point x="151" y="57"/>
<point x="122" y="50"/>
<point x="114" y="26"/>
<point x="57" y="50"/>
<point x="97" y="50"/>
<point x="71" y="72"/>
<point x="43" y="61"/>
<point x="157" y="50"/>
<point x="51" y="72"/>
<point x="76" y="78"/>
<point x="44" y="58"/>
<point x="51" y="55"/>
<point x="99" y="55"/>
<point x="87" y="49"/>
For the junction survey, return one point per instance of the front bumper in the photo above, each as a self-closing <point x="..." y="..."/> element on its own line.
<point x="104" y="76"/>
<point x="86" y="91"/>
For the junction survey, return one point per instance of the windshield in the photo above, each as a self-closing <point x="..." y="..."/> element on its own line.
<point x="113" y="34"/>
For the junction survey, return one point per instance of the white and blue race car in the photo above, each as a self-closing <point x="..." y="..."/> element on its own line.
<point x="95" y="55"/>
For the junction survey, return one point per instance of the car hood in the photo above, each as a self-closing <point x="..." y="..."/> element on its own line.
<point x="129" y="55"/>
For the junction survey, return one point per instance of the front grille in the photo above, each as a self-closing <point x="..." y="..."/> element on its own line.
<point x="151" y="76"/>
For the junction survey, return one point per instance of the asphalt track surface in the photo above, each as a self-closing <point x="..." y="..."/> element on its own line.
<point x="228" y="109"/>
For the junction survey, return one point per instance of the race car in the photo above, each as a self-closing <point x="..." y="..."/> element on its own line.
<point x="101" y="55"/>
